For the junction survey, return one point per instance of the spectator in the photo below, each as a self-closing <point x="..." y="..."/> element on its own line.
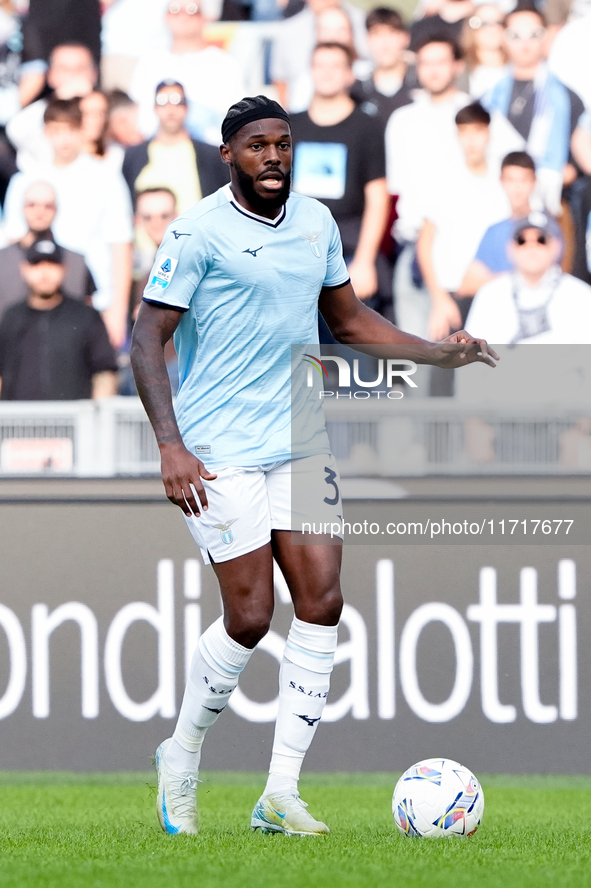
<point x="130" y="28"/>
<point x="539" y="302"/>
<point x="535" y="102"/>
<point x="386" y="89"/>
<point x="421" y="144"/>
<point x="212" y="77"/>
<point x="52" y="347"/>
<point x="580" y="198"/>
<point x="253" y="10"/>
<point x="484" y="49"/>
<point x="52" y="23"/>
<point x="536" y="304"/>
<point x="39" y="210"/>
<point x="588" y="242"/>
<point x="569" y="58"/>
<point x="581" y="143"/>
<point x="448" y="21"/>
<point x="122" y="127"/>
<point x="10" y="60"/>
<point x="333" y="164"/>
<point x="95" y="111"/>
<point x="333" y="25"/>
<point x="10" y="55"/>
<point x="295" y="41"/>
<point x="456" y="217"/>
<point x="72" y="72"/>
<point x="93" y="215"/>
<point x="190" y="169"/>
<point x="518" y="178"/>
<point x="155" y="209"/>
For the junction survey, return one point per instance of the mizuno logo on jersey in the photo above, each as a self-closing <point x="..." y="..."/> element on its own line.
<point x="313" y="241"/>
<point x="178" y="234"/>
<point x="253" y="252"/>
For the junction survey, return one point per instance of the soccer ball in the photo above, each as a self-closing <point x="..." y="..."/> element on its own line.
<point x="437" y="798"/>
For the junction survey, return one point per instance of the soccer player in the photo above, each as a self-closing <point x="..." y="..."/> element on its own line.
<point x="239" y="279"/>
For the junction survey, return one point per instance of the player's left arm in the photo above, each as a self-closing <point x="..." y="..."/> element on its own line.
<point x="354" y="324"/>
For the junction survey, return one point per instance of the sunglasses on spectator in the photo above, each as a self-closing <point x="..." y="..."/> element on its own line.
<point x="170" y="99"/>
<point x="516" y="36"/>
<point x="190" y="8"/>
<point x="540" y="239"/>
<point x="44" y="206"/>
<point x="476" y="23"/>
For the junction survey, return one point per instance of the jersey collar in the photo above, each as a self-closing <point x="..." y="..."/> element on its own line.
<point x="271" y="223"/>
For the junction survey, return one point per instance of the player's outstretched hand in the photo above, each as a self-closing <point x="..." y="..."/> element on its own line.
<point x="182" y="473"/>
<point x="460" y="349"/>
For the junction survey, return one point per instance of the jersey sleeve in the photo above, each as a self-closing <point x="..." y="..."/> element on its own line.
<point x="180" y="265"/>
<point x="336" y="270"/>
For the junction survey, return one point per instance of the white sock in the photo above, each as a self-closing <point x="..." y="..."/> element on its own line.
<point x="215" y="670"/>
<point x="304" y="681"/>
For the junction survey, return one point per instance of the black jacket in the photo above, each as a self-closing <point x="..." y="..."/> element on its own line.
<point x="213" y="173"/>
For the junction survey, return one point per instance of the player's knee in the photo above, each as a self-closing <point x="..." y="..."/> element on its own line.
<point x="324" y="610"/>
<point x="249" y="629"/>
<point x="333" y="606"/>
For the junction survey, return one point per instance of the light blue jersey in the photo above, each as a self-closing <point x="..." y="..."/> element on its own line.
<point x="248" y="287"/>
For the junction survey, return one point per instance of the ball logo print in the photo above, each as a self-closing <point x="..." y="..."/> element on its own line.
<point x="423" y="772"/>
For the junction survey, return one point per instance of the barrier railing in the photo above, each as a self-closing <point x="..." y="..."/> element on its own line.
<point x="418" y="437"/>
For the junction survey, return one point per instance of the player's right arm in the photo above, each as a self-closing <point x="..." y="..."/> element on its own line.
<point x="181" y="471"/>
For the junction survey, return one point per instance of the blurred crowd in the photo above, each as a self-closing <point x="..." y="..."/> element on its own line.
<point x="453" y="149"/>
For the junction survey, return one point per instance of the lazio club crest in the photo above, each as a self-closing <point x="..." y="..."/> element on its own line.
<point x="313" y="241"/>
<point x="225" y="532"/>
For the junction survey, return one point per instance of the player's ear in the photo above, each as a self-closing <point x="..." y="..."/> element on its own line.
<point x="226" y="154"/>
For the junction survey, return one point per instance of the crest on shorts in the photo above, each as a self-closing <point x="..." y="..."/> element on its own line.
<point x="225" y="532"/>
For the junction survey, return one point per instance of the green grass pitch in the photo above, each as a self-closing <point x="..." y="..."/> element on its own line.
<point x="85" y="831"/>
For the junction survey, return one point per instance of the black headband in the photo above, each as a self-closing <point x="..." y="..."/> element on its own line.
<point x="263" y="112"/>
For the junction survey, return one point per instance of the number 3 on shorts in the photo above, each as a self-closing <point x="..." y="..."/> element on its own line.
<point x="330" y="479"/>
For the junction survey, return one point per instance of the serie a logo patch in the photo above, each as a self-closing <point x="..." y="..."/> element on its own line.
<point x="164" y="271"/>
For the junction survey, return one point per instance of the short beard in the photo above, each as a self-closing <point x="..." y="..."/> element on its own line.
<point x="261" y="205"/>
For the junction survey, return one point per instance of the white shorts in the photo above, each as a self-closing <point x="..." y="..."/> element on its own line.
<point x="246" y="504"/>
